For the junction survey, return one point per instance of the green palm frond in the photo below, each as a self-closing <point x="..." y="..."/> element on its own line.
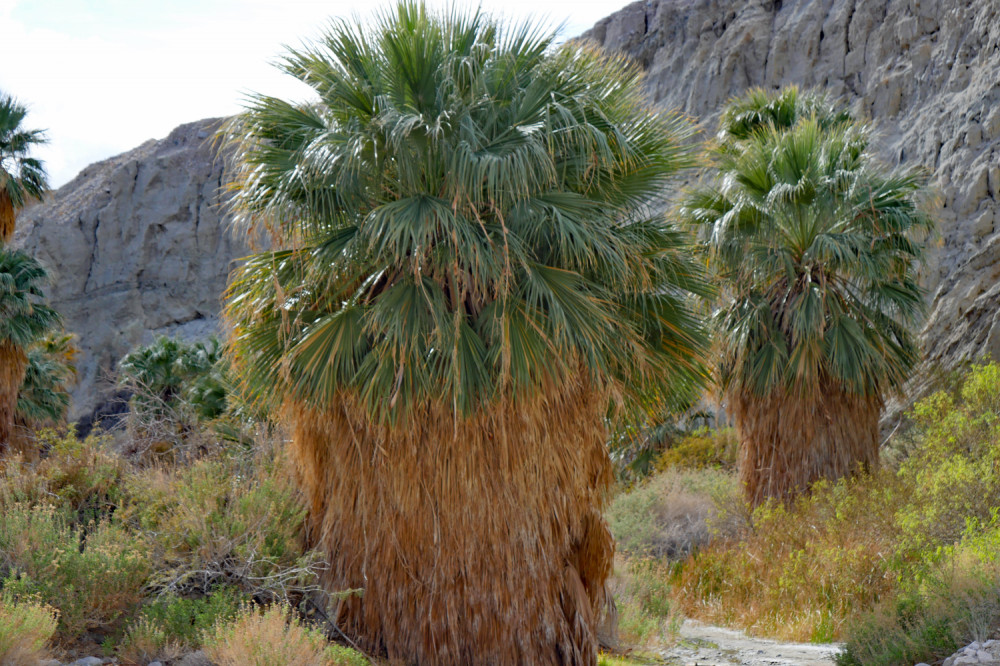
<point x="22" y="177"/>
<point x="43" y="399"/>
<point x="464" y="212"/>
<point x="816" y="246"/>
<point x="24" y="316"/>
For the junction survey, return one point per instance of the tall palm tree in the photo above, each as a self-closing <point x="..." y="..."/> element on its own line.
<point x="23" y="319"/>
<point x="22" y="177"/>
<point x="816" y="246"/>
<point x="469" y="278"/>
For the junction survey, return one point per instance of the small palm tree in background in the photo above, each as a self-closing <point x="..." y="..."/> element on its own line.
<point x="24" y="318"/>
<point x="816" y="246"/>
<point x="22" y="177"/>
<point x="469" y="277"/>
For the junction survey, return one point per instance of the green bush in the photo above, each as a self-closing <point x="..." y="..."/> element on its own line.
<point x="646" y="614"/>
<point x="93" y="574"/>
<point x="169" y="625"/>
<point x="26" y="628"/>
<point x="224" y="520"/>
<point x="670" y="514"/>
<point x="702" y="449"/>
<point x="956" y="602"/>
<point x="805" y="571"/>
<point x="80" y="479"/>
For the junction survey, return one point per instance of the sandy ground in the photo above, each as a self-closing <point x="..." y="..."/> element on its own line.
<point x="704" y="645"/>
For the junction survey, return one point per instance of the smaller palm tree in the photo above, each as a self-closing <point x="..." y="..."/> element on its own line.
<point x="22" y="177"/>
<point x="24" y="318"/>
<point x="815" y="245"/>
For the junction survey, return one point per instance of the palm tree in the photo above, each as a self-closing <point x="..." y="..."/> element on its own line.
<point x="23" y="319"/>
<point x="22" y="177"/>
<point x="816" y="247"/>
<point x="469" y="278"/>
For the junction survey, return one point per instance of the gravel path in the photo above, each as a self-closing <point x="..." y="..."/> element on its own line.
<point x="705" y="645"/>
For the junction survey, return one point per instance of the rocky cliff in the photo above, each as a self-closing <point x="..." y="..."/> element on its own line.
<point x="136" y="246"/>
<point x="925" y="72"/>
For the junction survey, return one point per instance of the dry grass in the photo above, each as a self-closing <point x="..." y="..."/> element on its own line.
<point x="477" y="540"/>
<point x="26" y="627"/>
<point x="801" y="570"/>
<point x="787" y="442"/>
<point x="270" y="637"/>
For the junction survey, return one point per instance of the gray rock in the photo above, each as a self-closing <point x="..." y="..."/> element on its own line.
<point x="88" y="661"/>
<point x="924" y="72"/>
<point x="136" y="245"/>
<point x="198" y="658"/>
<point x="50" y="662"/>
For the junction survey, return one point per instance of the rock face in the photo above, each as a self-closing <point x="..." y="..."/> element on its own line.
<point x="925" y="72"/>
<point x="136" y="245"/>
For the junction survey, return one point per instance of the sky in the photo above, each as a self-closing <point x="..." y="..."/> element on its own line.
<point x="103" y="76"/>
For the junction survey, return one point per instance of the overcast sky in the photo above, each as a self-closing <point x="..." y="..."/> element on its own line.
<point x="102" y="76"/>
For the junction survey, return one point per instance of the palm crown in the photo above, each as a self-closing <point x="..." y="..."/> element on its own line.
<point x="465" y="215"/>
<point x="816" y="246"/>
<point x="22" y="177"/>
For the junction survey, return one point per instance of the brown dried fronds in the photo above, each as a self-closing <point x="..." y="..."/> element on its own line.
<point x="476" y="539"/>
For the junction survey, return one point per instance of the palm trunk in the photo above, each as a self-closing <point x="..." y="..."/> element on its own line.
<point x="8" y="218"/>
<point x="13" y="363"/>
<point x="789" y="441"/>
<point x="476" y="542"/>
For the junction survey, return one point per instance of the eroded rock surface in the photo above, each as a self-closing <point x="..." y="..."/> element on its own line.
<point x="136" y="245"/>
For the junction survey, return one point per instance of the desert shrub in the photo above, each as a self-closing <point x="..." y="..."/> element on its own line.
<point x="80" y="479"/>
<point x="169" y="624"/>
<point x="955" y="603"/>
<point x="93" y="574"/>
<point x="274" y="636"/>
<point x="224" y="520"/>
<point x="799" y="571"/>
<point x="175" y="387"/>
<point x="703" y="448"/>
<point x="804" y="570"/>
<point x="26" y="627"/>
<point x="670" y="513"/>
<point x="646" y="615"/>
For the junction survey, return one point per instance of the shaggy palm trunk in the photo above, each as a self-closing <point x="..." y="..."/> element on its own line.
<point x="13" y="363"/>
<point x="7" y="218"/>
<point x="480" y="541"/>
<point x="789" y="441"/>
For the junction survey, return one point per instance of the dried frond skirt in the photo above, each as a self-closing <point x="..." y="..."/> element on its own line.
<point x="477" y="541"/>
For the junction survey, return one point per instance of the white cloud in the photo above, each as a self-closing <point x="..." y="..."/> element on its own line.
<point x="105" y="75"/>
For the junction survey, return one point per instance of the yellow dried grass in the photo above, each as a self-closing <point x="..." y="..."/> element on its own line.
<point x="478" y="540"/>
<point x="790" y="440"/>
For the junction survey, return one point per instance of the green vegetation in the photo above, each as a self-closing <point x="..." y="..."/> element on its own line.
<point x="26" y="627"/>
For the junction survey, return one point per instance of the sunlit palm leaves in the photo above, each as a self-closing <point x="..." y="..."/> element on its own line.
<point x="463" y="213"/>
<point x="22" y="177"/>
<point x="817" y="247"/>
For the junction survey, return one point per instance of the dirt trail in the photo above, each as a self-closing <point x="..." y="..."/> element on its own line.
<point x="705" y="645"/>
